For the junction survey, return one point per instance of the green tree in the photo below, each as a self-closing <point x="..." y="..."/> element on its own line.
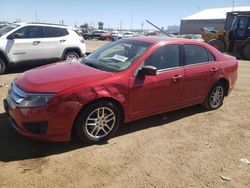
<point x="100" y="25"/>
<point x="84" y="26"/>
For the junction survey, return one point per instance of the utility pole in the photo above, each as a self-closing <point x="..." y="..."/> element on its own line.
<point x="131" y="21"/>
<point x="36" y="16"/>
<point x="234" y="1"/>
<point x="142" y="24"/>
<point x="120" y="25"/>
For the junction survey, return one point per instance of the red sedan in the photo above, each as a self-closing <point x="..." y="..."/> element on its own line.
<point x="105" y="36"/>
<point x="123" y="81"/>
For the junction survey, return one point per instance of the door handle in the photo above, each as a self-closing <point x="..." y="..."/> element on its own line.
<point x="214" y="70"/>
<point x="36" y="42"/>
<point x="176" y="78"/>
<point x="62" y="41"/>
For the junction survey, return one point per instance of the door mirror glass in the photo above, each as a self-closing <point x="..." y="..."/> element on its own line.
<point x="148" y="70"/>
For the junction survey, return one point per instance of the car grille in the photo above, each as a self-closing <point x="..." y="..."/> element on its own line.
<point x="15" y="95"/>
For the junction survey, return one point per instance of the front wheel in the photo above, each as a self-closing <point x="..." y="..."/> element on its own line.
<point x="2" y="66"/>
<point x="215" y="97"/>
<point x="97" y="122"/>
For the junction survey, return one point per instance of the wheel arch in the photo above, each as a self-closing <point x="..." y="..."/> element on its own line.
<point x="225" y="82"/>
<point x="71" y="49"/>
<point x="4" y="56"/>
<point x="116" y="102"/>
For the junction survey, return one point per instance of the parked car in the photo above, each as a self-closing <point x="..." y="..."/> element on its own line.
<point x="106" y="36"/>
<point x="121" y="82"/>
<point x="94" y="34"/>
<point x="116" y="35"/>
<point x="3" y="25"/>
<point x="24" y="42"/>
<point x="128" y="34"/>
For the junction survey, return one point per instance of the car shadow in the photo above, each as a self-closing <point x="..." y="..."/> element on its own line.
<point x="24" y="66"/>
<point x="14" y="147"/>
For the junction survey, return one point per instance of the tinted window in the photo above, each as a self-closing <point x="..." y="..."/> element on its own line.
<point x="54" y="32"/>
<point x="243" y="23"/>
<point x="29" y="32"/>
<point x="164" y="57"/>
<point x="196" y="54"/>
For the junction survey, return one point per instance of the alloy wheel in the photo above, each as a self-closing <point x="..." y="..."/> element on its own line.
<point x="216" y="96"/>
<point x="100" y="122"/>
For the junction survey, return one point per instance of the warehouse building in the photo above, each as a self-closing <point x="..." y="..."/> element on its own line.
<point x="210" y="18"/>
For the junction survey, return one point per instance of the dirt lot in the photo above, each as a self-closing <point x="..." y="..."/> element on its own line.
<point x="185" y="148"/>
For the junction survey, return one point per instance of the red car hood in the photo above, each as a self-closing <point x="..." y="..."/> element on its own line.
<point x="58" y="77"/>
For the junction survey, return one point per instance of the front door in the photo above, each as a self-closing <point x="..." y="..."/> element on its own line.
<point x="153" y="94"/>
<point x="27" y="44"/>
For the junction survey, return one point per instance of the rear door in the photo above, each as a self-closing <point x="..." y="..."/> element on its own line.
<point x="27" y="44"/>
<point x="55" y="41"/>
<point x="200" y="73"/>
<point x="153" y="94"/>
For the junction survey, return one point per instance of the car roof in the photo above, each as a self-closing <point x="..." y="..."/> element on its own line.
<point x="44" y="24"/>
<point x="156" y="40"/>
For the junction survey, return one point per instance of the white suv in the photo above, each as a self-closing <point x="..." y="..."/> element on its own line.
<point x="23" y="42"/>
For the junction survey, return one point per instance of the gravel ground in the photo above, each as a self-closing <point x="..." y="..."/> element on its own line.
<point x="185" y="148"/>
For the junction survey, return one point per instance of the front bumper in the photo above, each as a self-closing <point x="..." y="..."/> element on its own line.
<point x="41" y="123"/>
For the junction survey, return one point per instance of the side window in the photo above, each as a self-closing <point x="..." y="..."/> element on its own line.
<point x="196" y="54"/>
<point x="243" y="23"/>
<point x="54" y="32"/>
<point x="164" y="57"/>
<point x="29" y="32"/>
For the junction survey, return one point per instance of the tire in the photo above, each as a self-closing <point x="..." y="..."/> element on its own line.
<point x="218" y="44"/>
<point x="91" y="128"/>
<point x="2" y="66"/>
<point x="246" y="51"/>
<point x="215" y="97"/>
<point x="71" y="56"/>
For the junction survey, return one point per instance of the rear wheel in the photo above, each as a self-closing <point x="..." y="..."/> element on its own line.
<point x="71" y="56"/>
<point x="2" y="66"/>
<point x="218" y="44"/>
<point x="215" y="97"/>
<point x="246" y="52"/>
<point x="97" y="122"/>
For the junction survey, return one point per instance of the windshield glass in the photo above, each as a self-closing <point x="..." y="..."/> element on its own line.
<point x="6" y="29"/>
<point x="116" y="56"/>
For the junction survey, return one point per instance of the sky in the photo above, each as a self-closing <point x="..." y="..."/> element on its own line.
<point x="113" y="13"/>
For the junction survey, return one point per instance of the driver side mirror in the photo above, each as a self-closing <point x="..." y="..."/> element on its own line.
<point x="148" y="70"/>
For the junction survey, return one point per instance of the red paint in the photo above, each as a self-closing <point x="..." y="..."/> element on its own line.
<point x="76" y="85"/>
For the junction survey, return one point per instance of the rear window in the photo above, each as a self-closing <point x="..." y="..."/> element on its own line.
<point x="197" y="54"/>
<point x="54" y="32"/>
<point x="78" y="33"/>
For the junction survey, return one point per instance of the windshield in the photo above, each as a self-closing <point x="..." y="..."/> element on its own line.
<point x="116" y="56"/>
<point x="6" y="29"/>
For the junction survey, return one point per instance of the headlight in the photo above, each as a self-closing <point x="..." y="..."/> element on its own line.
<point x="34" y="101"/>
